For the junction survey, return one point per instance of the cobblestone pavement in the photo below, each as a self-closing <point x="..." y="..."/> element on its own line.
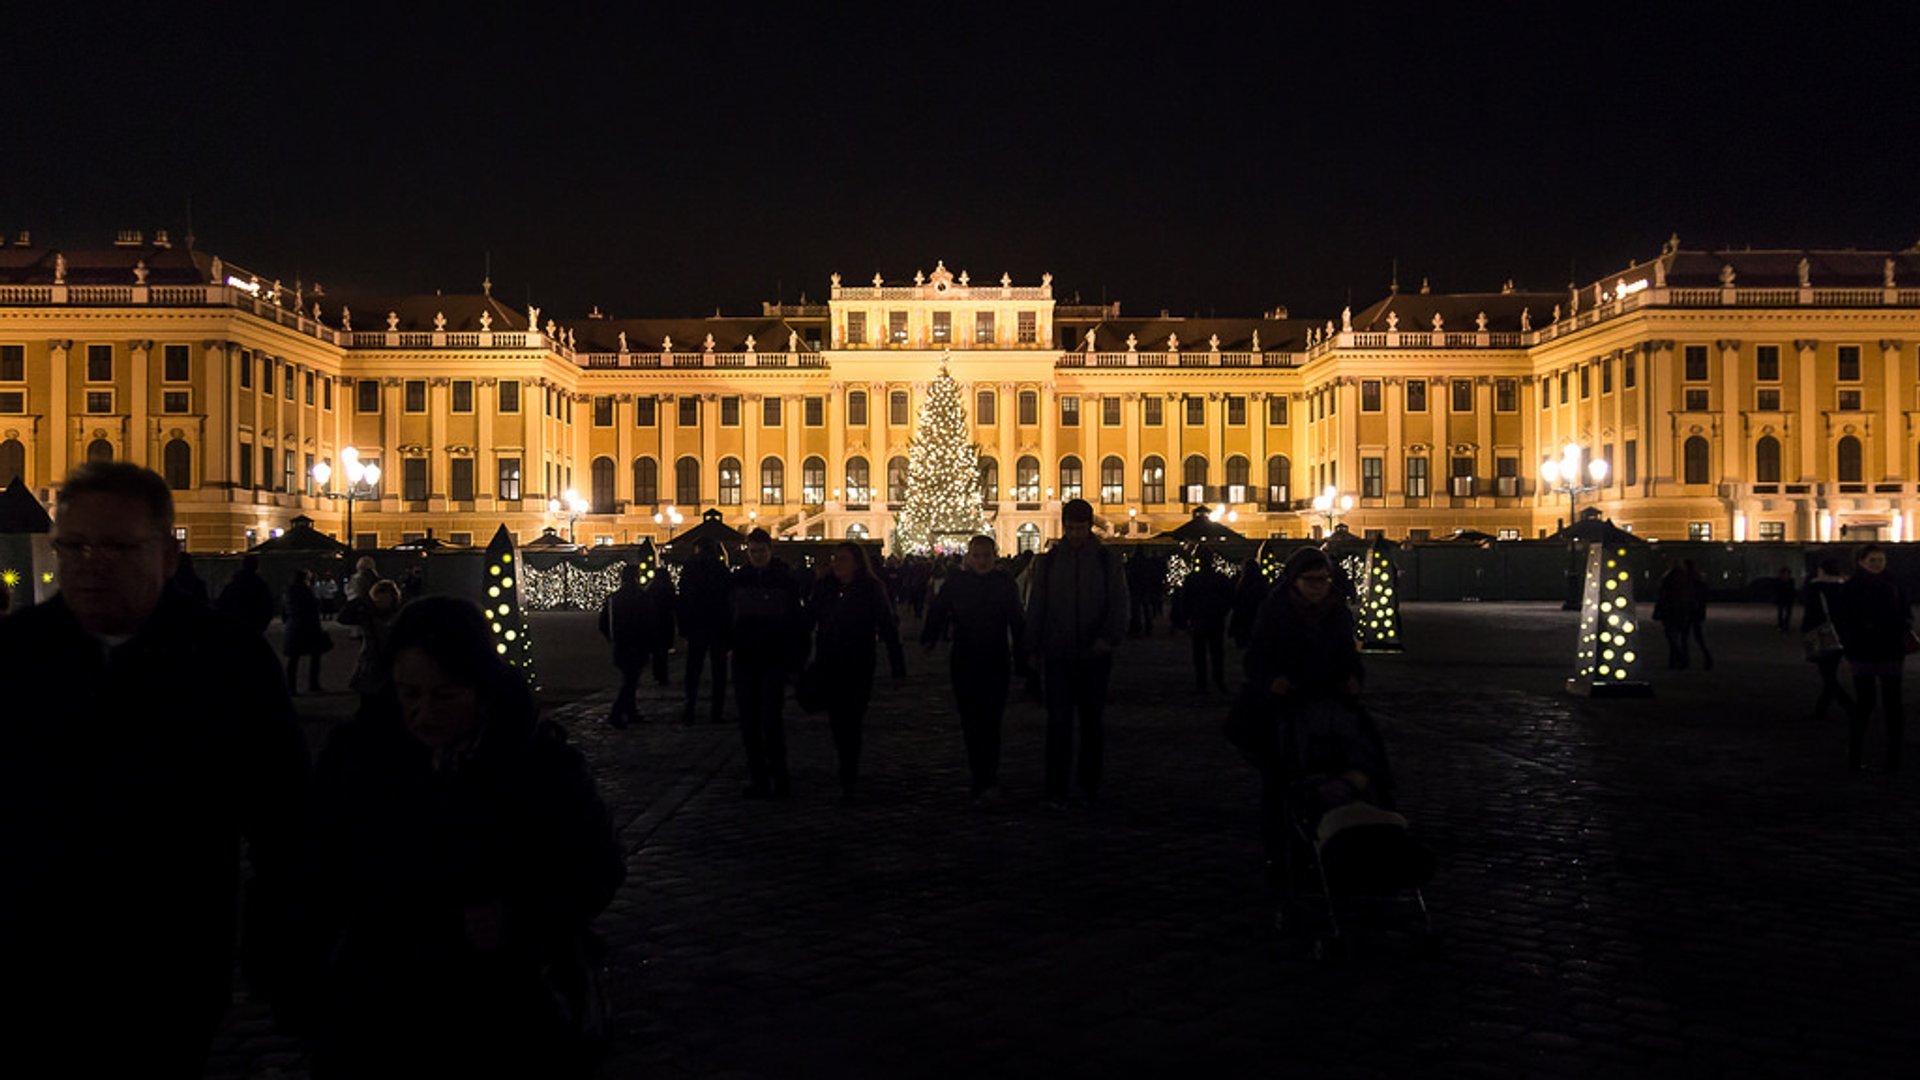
<point x="1685" y="886"/>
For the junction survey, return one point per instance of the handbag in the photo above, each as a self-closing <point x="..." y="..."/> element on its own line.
<point x="1822" y="641"/>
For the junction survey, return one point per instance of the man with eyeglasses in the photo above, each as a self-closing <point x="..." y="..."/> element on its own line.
<point x="145" y="737"/>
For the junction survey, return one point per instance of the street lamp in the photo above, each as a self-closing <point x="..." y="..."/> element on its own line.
<point x="1565" y="474"/>
<point x="363" y="482"/>
<point x="1331" y="504"/>
<point x="671" y="518"/>
<point x="572" y="505"/>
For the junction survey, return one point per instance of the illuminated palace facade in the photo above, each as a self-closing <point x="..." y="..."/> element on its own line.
<point x="1734" y="395"/>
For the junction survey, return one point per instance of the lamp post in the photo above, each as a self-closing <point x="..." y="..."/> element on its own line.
<point x="572" y="505"/>
<point x="363" y="482"/>
<point x="671" y="518"/>
<point x="1331" y="504"/>
<point x="1564" y="474"/>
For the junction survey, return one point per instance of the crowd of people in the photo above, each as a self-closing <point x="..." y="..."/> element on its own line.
<point x="419" y="900"/>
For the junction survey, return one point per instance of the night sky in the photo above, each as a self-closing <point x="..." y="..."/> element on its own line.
<point x="664" y="164"/>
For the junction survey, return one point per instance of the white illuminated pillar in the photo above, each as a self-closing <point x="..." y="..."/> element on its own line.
<point x="1739" y="526"/>
<point x="1607" y="661"/>
<point x="1826" y="526"/>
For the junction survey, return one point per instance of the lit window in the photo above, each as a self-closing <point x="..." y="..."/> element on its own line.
<point x="1766" y="363"/>
<point x="983" y="407"/>
<point x="897" y="327"/>
<point x="1699" y="530"/>
<point x="1026" y="327"/>
<point x="983" y="328"/>
<point x="898" y="405"/>
<point x="1697" y="400"/>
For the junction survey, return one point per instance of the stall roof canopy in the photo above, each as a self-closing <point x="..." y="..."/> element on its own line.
<point x="710" y="527"/>
<point x="1201" y="527"/>
<point x="20" y="512"/>
<point x="300" y="536"/>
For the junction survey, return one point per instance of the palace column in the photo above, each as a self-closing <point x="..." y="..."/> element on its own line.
<point x="1657" y="386"/>
<point x="752" y="412"/>
<point x="623" y="426"/>
<point x="1731" y="450"/>
<point x="666" y="415"/>
<point x="1894" y="438"/>
<point x="793" y="409"/>
<point x="1050" y="440"/>
<point x="1008" y="427"/>
<point x="837" y="442"/>
<point x="486" y="452"/>
<point x="1806" y="410"/>
<point x="392" y="471"/>
<point x="1131" y="469"/>
<point x="439" y="408"/>
<point x="1483" y="432"/>
<point x="709" y="452"/>
<point x="220" y="436"/>
<point x="1394" y="390"/>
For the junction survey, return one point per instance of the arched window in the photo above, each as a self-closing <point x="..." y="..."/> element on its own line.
<point x="1238" y="481"/>
<point x="896" y="479"/>
<point x="1026" y="479"/>
<point x="983" y="410"/>
<point x="730" y="481"/>
<point x="856" y="408"/>
<point x="813" y="482"/>
<point x="99" y="450"/>
<point x="177" y="464"/>
<point x="602" y="477"/>
<point x="1070" y="479"/>
<point x="1698" y="461"/>
<point x="1846" y="456"/>
<point x="686" y="481"/>
<point x="1027" y="537"/>
<point x="859" y="481"/>
<point x="773" y="481"/>
<point x="856" y="531"/>
<point x="1193" y="479"/>
<point x="1153" y="480"/>
<point x="1113" y="480"/>
<point x="646" y="480"/>
<point x="989" y="481"/>
<point x="1766" y="460"/>
<point x="13" y="462"/>
<point x="1279" y="480"/>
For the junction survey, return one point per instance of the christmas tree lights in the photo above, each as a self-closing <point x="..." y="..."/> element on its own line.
<point x="943" y="476"/>
<point x="500" y="601"/>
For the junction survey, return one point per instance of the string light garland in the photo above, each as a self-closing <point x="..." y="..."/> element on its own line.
<point x="943" y="476"/>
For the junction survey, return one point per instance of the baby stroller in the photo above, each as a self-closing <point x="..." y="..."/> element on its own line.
<point x="1349" y="858"/>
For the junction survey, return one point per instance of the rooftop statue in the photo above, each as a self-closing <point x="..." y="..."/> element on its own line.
<point x="1256" y="339"/>
<point x="1806" y="273"/>
<point x="1439" y="323"/>
<point x="140" y="272"/>
<point x="623" y="341"/>
<point x="1726" y="275"/>
<point x="1526" y="320"/>
<point x="1886" y="273"/>
<point x="1346" y="319"/>
<point x="439" y="320"/>
<point x="393" y="321"/>
<point x="486" y="322"/>
<point x="1393" y="322"/>
<point x="1480" y="322"/>
<point x="346" y="318"/>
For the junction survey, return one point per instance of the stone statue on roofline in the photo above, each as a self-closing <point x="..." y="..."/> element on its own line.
<point x="1556" y="313"/>
<point x="623" y="341"/>
<point x="1726" y="275"/>
<point x="346" y="318"/>
<point x="666" y="344"/>
<point x="1346" y="319"/>
<point x="793" y="341"/>
<point x="1393" y="322"/>
<point x="1806" y="273"/>
<point x="1480" y="322"/>
<point x="439" y="320"/>
<point x="140" y="272"/>
<point x="393" y="321"/>
<point x="533" y="318"/>
<point x="1526" y="320"/>
<point x="1089" y="340"/>
<point x="219" y="272"/>
<point x="486" y="322"/>
<point x="1439" y="323"/>
<point x="1256" y="339"/>
<point x="59" y="269"/>
<point x="1886" y="273"/>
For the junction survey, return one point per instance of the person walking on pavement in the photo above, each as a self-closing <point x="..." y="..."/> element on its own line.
<point x="1697" y="595"/>
<point x="1818" y="608"/>
<point x="1076" y="616"/>
<point x="703" y="623"/>
<point x="1783" y="592"/>
<point x="304" y="636"/>
<point x="980" y="605"/>
<point x="767" y="634"/>
<point x="849" y="610"/>
<point x="1673" y="610"/>
<point x="371" y="620"/>
<point x="628" y="622"/>
<point x="1201" y="607"/>
<point x="152" y="737"/>
<point x="247" y="599"/>
<point x="1876" y="629"/>
<point x="461" y="849"/>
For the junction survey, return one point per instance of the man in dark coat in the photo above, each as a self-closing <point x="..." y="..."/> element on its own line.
<point x="1076" y="617"/>
<point x="703" y="621"/>
<point x="981" y="605"/>
<point x="628" y="622"/>
<point x="1202" y="606"/>
<point x="153" y="736"/>
<point x="247" y="599"/>
<point x="766" y="629"/>
<point x="665" y="604"/>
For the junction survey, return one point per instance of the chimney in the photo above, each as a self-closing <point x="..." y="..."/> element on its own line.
<point x="129" y="238"/>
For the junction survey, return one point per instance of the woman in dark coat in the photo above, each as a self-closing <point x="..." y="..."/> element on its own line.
<point x="461" y="850"/>
<point x="849" y="611"/>
<point x="1875" y="617"/>
<point x="1304" y="652"/>
<point x="304" y="635"/>
<point x="1817" y="608"/>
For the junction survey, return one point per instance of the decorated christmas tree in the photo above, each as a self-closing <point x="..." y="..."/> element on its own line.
<point x="943" y="476"/>
<point x="500" y="601"/>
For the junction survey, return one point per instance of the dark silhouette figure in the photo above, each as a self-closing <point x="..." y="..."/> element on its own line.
<point x="767" y="633"/>
<point x="304" y="636"/>
<point x="150" y="739"/>
<point x="460" y="852"/>
<point x="1697" y="595"/>
<point x="703" y="622"/>
<point x="1819" y="607"/>
<point x="1673" y="610"/>
<point x="1783" y="592"/>
<point x="1249" y="591"/>
<point x="1076" y="616"/>
<point x="365" y="573"/>
<point x="247" y="599"/>
<point x="664" y="609"/>
<point x="629" y="623"/>
<point x="370" y="619"/>
<point x="849" y="610"/>
<point x="413" y="585"/>
<point x="189" y="582"/>
<point x="980" y="605"/>
<point x="1201" y="607"/>
<point x="1875" y="617"/>
<point x="1304" y="651"/>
